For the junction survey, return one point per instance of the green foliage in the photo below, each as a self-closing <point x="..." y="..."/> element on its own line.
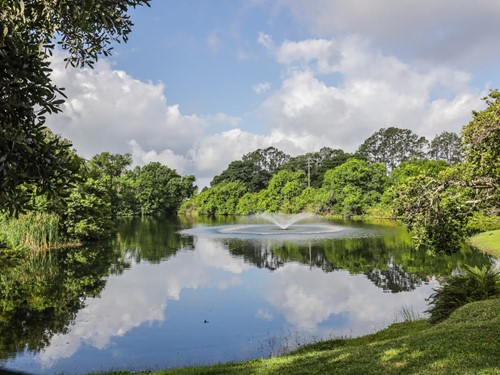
<point x="447" y="146"/>
<point x="315" y="164"/>
<point x="353" y="187"/>
<point x="106" y="164"/>
<point x="255" y="169"/>
<point x="33" y="230"/>
<point x="283" y="190"/>
<point x="392" y="146"/>
<point x="221" y="199"/>
<point x="41" y="293"/>
<point x="400" y="176"/>
<point x="482" y="151"/>
<point x="474" y="284"/>
<point x="28" y="153"/>
<point x="414" y="168"/>
<point x="434" y="209"/>
<point x="87" y="213"/>
<point x="109" y="168"/>
<point x="480" y="222"/>
<point x="160" y="190"/>
<point x="438" y="208"/>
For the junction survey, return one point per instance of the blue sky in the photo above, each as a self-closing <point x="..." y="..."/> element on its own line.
<point x="200" y="83"/>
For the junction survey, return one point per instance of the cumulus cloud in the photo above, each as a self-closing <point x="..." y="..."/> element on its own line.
<point x="308" y="297"/>
<point x="446" y="31"/>
<point x="373" y="90"/>
<point x="107" y="108"/>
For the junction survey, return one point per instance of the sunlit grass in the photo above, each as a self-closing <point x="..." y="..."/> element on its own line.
<point x="488" y="242"/>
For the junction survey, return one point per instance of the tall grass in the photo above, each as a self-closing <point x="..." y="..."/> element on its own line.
<point x="36" y="231"/>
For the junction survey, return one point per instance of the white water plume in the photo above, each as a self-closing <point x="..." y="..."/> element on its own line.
<point x="284" y="221"/>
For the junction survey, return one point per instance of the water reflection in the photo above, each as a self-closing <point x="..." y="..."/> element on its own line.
<point x="155" y="297"/>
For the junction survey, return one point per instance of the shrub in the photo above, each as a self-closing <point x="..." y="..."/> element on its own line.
<point x="474" y="284"/>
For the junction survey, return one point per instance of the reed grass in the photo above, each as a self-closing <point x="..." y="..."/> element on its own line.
<point x="36" y="231"/>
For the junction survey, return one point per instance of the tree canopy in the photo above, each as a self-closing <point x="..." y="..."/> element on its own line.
<point x="446" y="146"/>
<point x="28" y="32"/>
<point x="393" y="145"/>
<point x="255" y="169"/>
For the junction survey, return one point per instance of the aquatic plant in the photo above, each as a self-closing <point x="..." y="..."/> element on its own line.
<point x="33" y="230"/>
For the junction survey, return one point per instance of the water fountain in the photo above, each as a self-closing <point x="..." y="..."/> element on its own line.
<point x="279" y="226"/>
<point x="284" y="221"/>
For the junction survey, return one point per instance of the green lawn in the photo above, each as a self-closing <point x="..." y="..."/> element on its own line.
<point x="488" y="242"/>
<point x="467" y="343"/>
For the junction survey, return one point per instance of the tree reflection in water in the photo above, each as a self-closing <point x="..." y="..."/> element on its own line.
<point x="40" y="295"/>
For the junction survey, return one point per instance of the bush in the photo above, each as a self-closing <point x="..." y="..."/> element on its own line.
<point x="481" y="222"/>
<point x="472" y="285"/>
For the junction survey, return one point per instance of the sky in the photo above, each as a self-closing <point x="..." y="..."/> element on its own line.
<point x="201" y="83"/>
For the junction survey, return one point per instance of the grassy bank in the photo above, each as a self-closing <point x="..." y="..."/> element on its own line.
<point x="466" y="343"/>
<point x="488" y="242"/>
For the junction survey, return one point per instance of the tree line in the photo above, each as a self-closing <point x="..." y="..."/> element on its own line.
<point x="442" y="190"/>
<point x="101" y="189"/>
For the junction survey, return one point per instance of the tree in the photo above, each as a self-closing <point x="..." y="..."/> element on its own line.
<point x="108" y="168"/>
<point x="220" y="199"/>
<point x="87" y="211"/>
<point x="113" y="165"/>
<point x="446" y="146"/>
<point x="414" y="168"/>
<point x="284" y="188"/>
<point x="315" y="164"/>
<point x="434" y="208"/>
<point x="255" y="169"/>
<point x="482" y="153"/>
<point x="27" y="31"/>
<point x="268" y="159"/>
<point x="438" y="208"/>
<point x="160" y="190"/>
<point x="353" y="186"/>
<point x="391" y="146"/>
<point x="254" y="177"/>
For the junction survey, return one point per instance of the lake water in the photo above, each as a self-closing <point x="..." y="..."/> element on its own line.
<point x="167" y="293"/>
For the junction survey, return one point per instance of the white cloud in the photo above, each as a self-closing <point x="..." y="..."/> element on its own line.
<point x="166" y="157"/>
<point x="325" y="52"/>
<point x="372" y="91"/>
<point x="220" y="149"/>
<point x="108" y="108"/>
<point x="308" y="297"/>
<point x="446" y="31"/>
<point x="261" y="87"/>
<point x="265" y="40"/>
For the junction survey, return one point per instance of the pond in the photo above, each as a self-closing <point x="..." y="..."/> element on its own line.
<point x="175" y="292"/>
